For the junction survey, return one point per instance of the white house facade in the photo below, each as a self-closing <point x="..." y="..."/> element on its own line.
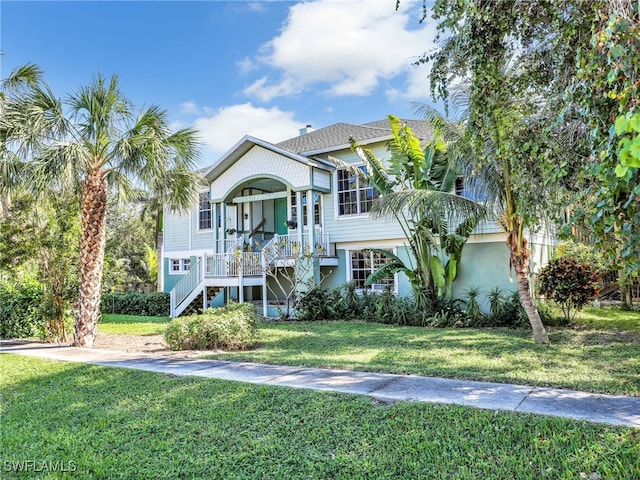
<point x="265" y="208"/>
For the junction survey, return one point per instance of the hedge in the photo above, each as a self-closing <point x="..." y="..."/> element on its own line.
<point x="155" y="304"/>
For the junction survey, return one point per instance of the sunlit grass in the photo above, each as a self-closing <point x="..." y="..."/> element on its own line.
<point x="121" y="423"/>
<point x="608" y="318"/>
<point x="593" y="361"/>
<point x="132" y="324"/>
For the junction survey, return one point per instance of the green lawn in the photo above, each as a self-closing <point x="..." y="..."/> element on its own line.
<point x="112" y="423"/>
<point x="609" y="318"/>
<point x="597" y="361"/>
<point x="598" y="358"/>
<point x="132" y="324"/>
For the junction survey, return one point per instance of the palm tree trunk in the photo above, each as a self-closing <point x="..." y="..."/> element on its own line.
<point x="94" y="219"/>
<point x="160" y="250"/>
<point x="520" y="255"/>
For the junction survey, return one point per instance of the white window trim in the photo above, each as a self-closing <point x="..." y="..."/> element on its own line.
<point x="211" y="209"/>
<point x="336" y="204"/>
<point x="350" y="267"/>
<point x="181" y="269"/>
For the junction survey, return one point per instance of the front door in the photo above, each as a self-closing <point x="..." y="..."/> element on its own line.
<point x="280" y="205"/>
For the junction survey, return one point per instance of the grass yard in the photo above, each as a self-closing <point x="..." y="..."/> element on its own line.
<point x="132" y="324"/>
<point x="609" y="318"/>
<point x="109" y="423"/>
<point x="597" y="361"/>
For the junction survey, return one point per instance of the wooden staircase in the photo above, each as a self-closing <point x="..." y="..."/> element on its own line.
<point x="196" y="306"/>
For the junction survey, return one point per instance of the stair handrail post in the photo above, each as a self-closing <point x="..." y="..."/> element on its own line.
<point x="240" y="275"/>
<point x="264" y="263"/>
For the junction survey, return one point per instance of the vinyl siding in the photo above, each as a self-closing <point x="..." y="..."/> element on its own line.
<point x="260" y="160"/>
<point x="176" y="230"/>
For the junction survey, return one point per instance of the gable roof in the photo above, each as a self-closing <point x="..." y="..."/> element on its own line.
<point x="245" y="144"/>
<point x="327" y="139"/>
<point x="336" y="136"/>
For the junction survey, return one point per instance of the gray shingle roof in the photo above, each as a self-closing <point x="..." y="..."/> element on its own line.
<point x="337" y="135"/>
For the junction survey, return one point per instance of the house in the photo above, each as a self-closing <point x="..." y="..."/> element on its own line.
<point x="264" y="203"/>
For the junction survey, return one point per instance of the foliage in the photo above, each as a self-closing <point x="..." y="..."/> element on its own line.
<point x="569" y="283"/>
<point x="90" y="143"/>
<point x="473" y="311"/>
<point x="41" y="238"/>
<point x="417" y="187"/>
<point x="606" y="94"/>
<point x="152" y="304"/>
<point x="233" y="327"/>
<point x="189" y="427"/>
<point x="344" y="303"/>
<point x="21" y="309"/>
<point x="129" y="239"/>
<point x="292" y="283"/>
<point x="580" y="252"/>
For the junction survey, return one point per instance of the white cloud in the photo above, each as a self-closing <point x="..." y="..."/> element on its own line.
<point x="349" y="46"/>
<point x="227" y="125"/>
<point x="192" y="108"/>
<point x="246" y="65"/>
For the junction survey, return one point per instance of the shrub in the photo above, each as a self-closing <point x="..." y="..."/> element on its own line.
<point x="154" y="304"/>
<point x="22" y="309"/>
<point x="233" y="327"/>
<point x="570" y="283"/>
<point x="505" y="310"/>
<point x="473" y="311"/>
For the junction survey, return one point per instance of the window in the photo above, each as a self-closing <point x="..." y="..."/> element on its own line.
<point x="363" y="264"/>
<point x="205" y="212"/>
<point x="179" y="265"/>
<point x="316" y="207"/>
<point x="355" y="196"/>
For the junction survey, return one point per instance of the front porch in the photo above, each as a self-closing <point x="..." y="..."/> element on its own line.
<point x="246" y="264"/>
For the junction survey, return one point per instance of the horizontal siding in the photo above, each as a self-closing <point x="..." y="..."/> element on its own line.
<point x="321" y="179"/>
<point x="357" y="227"/>
<point x="259" y="161"/>
<point x="176" y="230"/>
<point x="201" y="239"/>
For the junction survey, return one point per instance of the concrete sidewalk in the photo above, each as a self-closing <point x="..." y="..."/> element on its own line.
<point x="619" y="410"/>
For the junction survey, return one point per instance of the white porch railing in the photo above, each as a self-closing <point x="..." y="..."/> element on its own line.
<point x="186" y="285"/>
<point x="228" y="245"/>
<point x="237" y="264"/>
<point x="288" y="246"/>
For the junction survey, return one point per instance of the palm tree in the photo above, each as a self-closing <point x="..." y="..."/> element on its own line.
<point x="417" y="188"/>
<point x="12" y="168"/>
<point x="93" y="142"/>
<point x="482" y="154"/>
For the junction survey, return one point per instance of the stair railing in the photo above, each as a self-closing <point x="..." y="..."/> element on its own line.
<point x="185" y="286"/>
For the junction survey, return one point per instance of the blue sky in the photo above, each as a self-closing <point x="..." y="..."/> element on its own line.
<point x="264" y="68"/>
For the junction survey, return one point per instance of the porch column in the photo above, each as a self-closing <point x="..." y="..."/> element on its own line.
<point x="300" y="218"/>
<point x="263" y="261"/>
<point x="216" y="246"/>
<point x="310" y="218"/>
<point x="223" y="214"/>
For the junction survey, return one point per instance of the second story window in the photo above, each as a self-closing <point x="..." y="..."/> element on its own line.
<point x="355" y="196"/>
<point x="205" y="212"/>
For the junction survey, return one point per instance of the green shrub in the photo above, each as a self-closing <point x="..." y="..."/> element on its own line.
<point x="154" y="304"/>
<point x="22" y="309"/>
<point x="570" y="283"/>
<point x="505" y="310"/>
<point x="233" y="327"/>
